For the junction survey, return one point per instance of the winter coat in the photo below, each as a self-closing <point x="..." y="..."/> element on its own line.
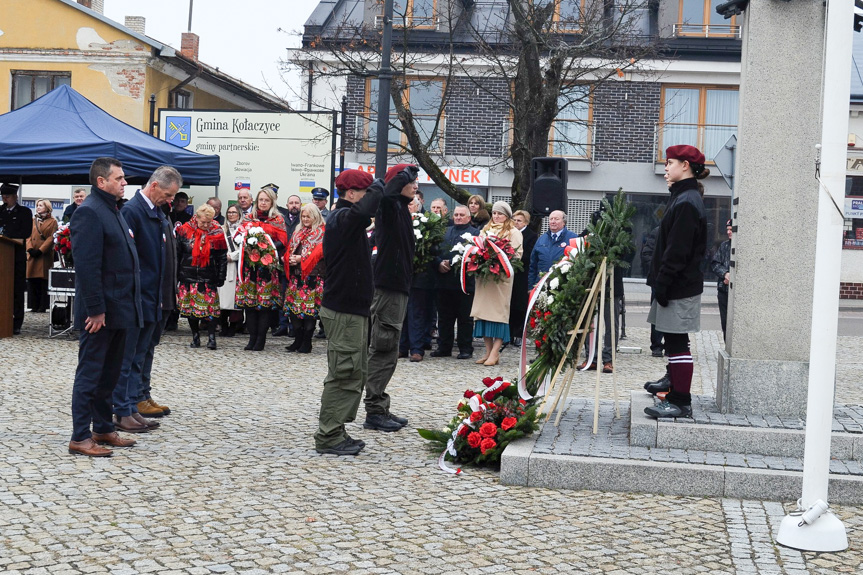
<point x="547" y="253"/>
<point x="680" y="245"/>
<point x="214" y="271"/>
<point x="721" y="264"/>
<point x="492" y="299"/>
<point x="227" y="292"/>
<point x="394" y="236"/>
<point x="41" y="238"/>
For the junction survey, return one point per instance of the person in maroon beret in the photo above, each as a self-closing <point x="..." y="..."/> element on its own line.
<point x="345" y="309"/>
<point x="394" y="237"/>
<point x="676" y="277"/>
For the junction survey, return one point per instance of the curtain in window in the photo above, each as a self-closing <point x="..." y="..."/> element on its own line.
<point x="720" y="119"/>
<point x="680" y="118"/>
<point x="570" y="132"/>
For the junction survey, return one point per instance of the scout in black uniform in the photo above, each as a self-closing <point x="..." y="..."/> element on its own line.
<point x="16" y="222"/>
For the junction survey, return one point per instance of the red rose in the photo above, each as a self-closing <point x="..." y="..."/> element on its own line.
<point x="538" y="343"/>
<point x="267" y="260"/>
<point x="486" y="445"/>
<point x="547" y="314"/>
<point x="475" y="416"/>
<point x="488" y="429"/>
<point x="487" y="381"/>
<point x="255" y="257"/>
<point x="533" y="323"/>
<point x="463" y="430"/>
<point x="468" y="394"/>
<point x="522" y="402"/>
<point x="494" y="268"/>
<point x="474" y="439"/>
<point x="508" y="423"/>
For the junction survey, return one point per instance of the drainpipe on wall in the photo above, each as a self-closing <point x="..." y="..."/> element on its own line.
<point x="172" y="95"/>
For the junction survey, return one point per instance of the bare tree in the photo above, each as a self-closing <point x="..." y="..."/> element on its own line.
<point x="538" y="61"/>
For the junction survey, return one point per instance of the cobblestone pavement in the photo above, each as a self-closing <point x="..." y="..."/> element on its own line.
<point x="231" y="483"/>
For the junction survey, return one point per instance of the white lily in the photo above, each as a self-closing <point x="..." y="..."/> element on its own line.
<point x="467" y="236"/>
<point x="554" y="284"/>
<point x="550" y="300"/>
<point x="252" y="241"/>
<point x="416" y="223"/>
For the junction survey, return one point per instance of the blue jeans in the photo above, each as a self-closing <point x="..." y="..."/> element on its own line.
<point x="418" y="321"/>
<point x="135" y="352"/>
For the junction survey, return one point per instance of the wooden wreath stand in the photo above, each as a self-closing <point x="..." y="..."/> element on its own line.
<point x="596" y="294"/>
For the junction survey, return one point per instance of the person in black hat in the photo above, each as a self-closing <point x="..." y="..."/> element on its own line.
<point x="16" y="223"/>
<point x="320" y="197"/>
<point x="721" y="266"/>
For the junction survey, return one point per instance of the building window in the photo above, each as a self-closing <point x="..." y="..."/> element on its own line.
<point x="704" y="117"/>
<point x="568" y="14"/>
<point x="423" y="97"/>
<point x="571" y="133"/>
<point x="183" y="100"/>
<point x="853" y="233"/>
<point x="29" y="85"/>
<point x="699" y="18"/>
<point x="415" y="13"/>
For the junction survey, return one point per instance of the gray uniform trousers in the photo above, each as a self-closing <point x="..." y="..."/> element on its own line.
<point x="347" y="370"/>
<point x="388" y="314"/>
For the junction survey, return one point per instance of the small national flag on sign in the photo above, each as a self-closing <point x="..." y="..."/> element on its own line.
<point x="242" y="184"/>
<point x="307" y="186"/>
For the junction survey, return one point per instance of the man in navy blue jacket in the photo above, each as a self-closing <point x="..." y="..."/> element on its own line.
<point x="549" y="247"/>
<point x="145" y="218"/>
<point x="107" y="305"/>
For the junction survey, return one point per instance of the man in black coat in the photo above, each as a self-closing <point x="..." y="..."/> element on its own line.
<point x="107" y="305"/>
<point x="453" y="304"/>
<point x="144" y="216"/>
<point x="520" y="287"/>
<point x="395" y="239"/>
<point x="292" y="219"/>
<point x="721" y="267"/>
<point x="77" y="198"/>
<point x="16" y="223"/>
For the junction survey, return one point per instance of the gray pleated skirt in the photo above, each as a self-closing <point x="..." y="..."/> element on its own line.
<point x="679" y="316"/>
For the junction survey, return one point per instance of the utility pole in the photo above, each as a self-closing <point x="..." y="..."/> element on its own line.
<point x="385" y="75"/>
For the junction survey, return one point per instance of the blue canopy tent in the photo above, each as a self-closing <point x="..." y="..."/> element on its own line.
<point x="53" y="140"/>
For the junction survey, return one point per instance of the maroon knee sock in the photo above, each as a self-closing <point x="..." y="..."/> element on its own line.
<point x="680" y="369"/>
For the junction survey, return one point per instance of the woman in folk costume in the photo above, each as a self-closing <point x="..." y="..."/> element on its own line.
<point x="202" y="263"/>
<point x="258" y="288"/>
<point x="40" y="255"/>
<point x="491" y="299"/>
<point x="305" y="262"/>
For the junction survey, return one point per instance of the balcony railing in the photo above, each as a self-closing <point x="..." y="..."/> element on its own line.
<point x="709" y="138"/>
<point x="707" y="30"/>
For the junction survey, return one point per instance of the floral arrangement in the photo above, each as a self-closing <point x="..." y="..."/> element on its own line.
<point x="486" y="257"/>
<point x="258" y="250"/>
<point x="486" y="422"/>
<point x="63" y="244"/>
<point x="429" y="230"/>
<point x="563" y="290"/>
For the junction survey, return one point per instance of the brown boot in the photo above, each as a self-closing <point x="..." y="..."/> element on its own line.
<point x="113" y="439"/>
<point x="165" y="409"/>
<point x="146" y="409"/>
<point x="129" y="424"/>
<point x="150" y="423"/>
<point x="89" y="448"/>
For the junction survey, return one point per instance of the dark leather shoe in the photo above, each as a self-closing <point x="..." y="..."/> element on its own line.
<point x="381" y="422"/>
<point x="281" y="332"/>
<point x="667" y="409"/>
<point x="129" y="424"/>
<point x="89" y="448"/>
<point x="346" y="447"/>
<point x="658" y="386"/>
<point x="400" y="420"/>
<point x="584" y="363"/>
<point x="113" y="439"/>
<point x="416" y="357"/>
<point x="656" y="353"/>
<point x="150" y="423"/>
<point x="464" y="355"/>
<point x="439" y="353"/>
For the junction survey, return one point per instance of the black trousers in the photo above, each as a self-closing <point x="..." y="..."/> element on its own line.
<point x="37" y="294"/>
<point x="453" y="308"/>
<point x="19" y="286"/>
<point x="655" y="335"/>
<point x="100" y="357"/>
<point x="722" y="296"/>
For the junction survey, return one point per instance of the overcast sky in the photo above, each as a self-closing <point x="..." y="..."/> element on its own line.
<point x="240" y="37"/>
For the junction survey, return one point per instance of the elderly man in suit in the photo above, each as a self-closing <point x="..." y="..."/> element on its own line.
<point x="145" y="218"/>
<point x="549" y="248"/>
<point x="108" y="304"/>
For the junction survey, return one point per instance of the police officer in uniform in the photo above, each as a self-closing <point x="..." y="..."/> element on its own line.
<point x="320" y="197"/>
<point x="16" y="223"/>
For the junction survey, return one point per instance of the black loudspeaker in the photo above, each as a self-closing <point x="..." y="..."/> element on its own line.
<point x="548" y="177"/>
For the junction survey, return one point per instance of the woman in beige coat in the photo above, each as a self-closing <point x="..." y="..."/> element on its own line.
<point x="40" y="256"/>
<point x="491" y="299"/>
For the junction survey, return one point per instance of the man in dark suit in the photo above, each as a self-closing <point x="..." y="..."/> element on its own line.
<point x="16" y="223"/>
<point x="108" y="304"/>
<point x="520" y="289"/>
<point x="77" y="197"/>
<point x="144" y="216"/>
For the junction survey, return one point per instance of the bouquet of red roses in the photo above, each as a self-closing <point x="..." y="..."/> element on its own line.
<point x="63" y="244"/>
<point x="259" y="250"/>
<point x="488" y="257"/>
<point x="486" y="422"/>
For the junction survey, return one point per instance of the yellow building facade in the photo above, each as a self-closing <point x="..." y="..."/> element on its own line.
<point x="46" y="43"/>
